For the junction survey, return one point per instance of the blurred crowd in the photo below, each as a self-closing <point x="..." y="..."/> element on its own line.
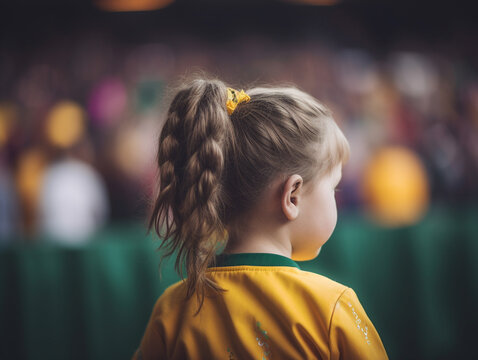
<point x="80" y="117"/>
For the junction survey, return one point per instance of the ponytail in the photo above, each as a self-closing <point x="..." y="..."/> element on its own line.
<point x="188" y="211"/>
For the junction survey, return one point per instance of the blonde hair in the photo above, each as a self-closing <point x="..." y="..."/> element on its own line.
<point x="213" y="167"/>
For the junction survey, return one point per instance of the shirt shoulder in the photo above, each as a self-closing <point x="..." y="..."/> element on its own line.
<point x="315" y="281"/>
<point x="171" y="298"/>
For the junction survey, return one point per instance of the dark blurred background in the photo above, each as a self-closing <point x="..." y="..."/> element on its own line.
<point x="83" y="90"/>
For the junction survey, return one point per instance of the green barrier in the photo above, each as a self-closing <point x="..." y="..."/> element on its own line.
<point x="418" y="284"/>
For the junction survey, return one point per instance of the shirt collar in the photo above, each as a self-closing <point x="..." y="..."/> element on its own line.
<point x="254" y="259"/>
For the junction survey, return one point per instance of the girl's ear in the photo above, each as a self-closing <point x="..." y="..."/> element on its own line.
<point x="290" y="196"/>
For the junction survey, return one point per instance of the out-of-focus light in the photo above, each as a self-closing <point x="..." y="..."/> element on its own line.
<point x="73" y="202"/>
<point x="65" y="124"/>
<point x="395" y="187"/>
<point x="107" y="102"/>
<point x="414" y="75"/>
<point x="132" y="5"/>
<point x="133" y="149"/>
<point x="7" y="120"/>
<point x="31" y="166"/>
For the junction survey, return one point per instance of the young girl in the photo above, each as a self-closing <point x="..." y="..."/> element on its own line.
<point x="252" y="173"/>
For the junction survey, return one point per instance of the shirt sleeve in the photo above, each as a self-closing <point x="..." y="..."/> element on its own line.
<point x="152" y="345"/>
<point x="351" y="333"/>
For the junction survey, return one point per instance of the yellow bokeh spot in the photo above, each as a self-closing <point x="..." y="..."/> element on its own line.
<point x="395" y="187"/>
<point x="65" y="124"/>
<point x="31" y="166"/>
<point x="7" y="119"/>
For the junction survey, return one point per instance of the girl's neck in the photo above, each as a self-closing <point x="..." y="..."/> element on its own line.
<point x="259" y="242"/>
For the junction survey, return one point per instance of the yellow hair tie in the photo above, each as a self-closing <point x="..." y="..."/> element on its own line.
<point x="234" y="98"/>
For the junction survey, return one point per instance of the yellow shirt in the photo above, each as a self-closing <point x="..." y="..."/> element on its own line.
<point x="271" y="310"/>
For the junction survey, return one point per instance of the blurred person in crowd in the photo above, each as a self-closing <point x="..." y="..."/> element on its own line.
<point x="73" y="202"/>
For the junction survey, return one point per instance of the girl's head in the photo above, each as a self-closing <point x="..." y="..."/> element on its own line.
<point x="213" y="167"/>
